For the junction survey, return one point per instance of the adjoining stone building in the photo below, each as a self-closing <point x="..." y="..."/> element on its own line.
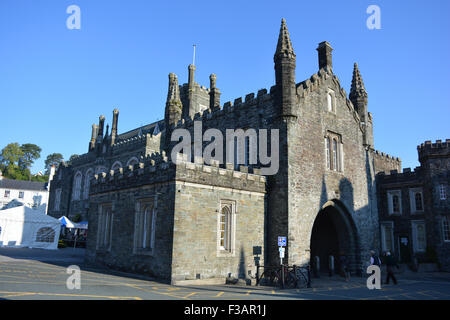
<point x="197" y="220"/>
<point x="415" y="209"/>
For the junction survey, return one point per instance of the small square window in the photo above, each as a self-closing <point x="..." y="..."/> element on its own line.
<point x="21" y="194"/>
<point x="7" y="193"/>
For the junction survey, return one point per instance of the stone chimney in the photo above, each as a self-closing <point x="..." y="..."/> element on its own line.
<point x="325" y="56"/>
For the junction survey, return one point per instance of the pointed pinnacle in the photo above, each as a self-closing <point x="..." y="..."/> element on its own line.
<point x="284" y="45"/>
<point x="357" y="81"/>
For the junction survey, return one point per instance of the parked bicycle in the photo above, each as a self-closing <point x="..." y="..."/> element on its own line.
<point x="285" y="276"/>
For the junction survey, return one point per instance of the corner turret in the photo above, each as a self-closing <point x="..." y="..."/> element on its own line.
<point x="285" y="62"/>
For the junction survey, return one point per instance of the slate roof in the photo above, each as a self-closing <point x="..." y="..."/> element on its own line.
<point x="23" y="185"/>
<point x="141" y="130"/>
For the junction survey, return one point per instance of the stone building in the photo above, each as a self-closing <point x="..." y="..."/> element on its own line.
<point x="195" y="219"/>
<point x="414" y="208"/>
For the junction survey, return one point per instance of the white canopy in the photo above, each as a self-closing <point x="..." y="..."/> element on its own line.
<point x="26" y="227"/>
<point x="66" y="222"/>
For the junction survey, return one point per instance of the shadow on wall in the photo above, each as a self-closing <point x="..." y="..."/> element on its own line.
<point x="335" y="232"/>
<point x="241" y="271"/>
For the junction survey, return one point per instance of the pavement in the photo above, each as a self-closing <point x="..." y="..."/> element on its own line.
<point x="38" y="274"/>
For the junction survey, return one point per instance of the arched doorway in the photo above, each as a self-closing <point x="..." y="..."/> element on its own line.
<point x="333" y="233"/>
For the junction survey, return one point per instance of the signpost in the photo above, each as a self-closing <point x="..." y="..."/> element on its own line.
<point x="281" y="245"/>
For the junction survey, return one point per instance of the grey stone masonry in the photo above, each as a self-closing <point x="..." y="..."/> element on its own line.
<point x="189" y="197"/>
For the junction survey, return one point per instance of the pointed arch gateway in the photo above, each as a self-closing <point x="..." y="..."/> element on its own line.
<point x="334" y="232"/>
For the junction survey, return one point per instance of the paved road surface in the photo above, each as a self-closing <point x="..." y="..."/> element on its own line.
<point x="41" y="274"/>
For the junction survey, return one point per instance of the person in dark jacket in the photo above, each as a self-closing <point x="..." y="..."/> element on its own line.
<point x="390" y="264"/>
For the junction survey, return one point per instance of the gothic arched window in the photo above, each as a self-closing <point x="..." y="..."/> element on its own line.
<point x="87" y="183"/>
<point x="77" y="186"/>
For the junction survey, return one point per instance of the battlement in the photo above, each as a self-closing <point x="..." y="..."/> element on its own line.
<point x="383" y="156"/>
<point x="82" y="159"/>
<point x="408" y="176"/>
<point x="406" y="172"/>
<point x="437" y="149"/>
<point x="250" y="100"/>
<point x="156" y="168"/>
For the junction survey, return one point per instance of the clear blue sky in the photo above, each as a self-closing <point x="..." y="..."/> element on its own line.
<point x="55" y="82"/>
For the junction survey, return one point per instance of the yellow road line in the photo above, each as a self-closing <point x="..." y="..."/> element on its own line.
<point x="71" y="295"/>
<point x="190" y="295"/>
<point x="154" y="291"/>
<point x="18" y="295"/>
<point x="220" y="294"/>
<point x="172" y="289"/>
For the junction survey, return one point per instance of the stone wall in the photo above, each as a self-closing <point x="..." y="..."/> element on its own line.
<point x="311" y="185"/>
<point x="200" y="193"/>
<point x="189" y="196"/>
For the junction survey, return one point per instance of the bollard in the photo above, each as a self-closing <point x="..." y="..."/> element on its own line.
<point x="317" y="266"/>
<point x="331" y="265"/>
<point x="257" y="274"/>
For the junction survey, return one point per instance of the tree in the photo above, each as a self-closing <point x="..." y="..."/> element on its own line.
<point x="73" y="157"/>
<point x="31" y="152"/>
<point x="9" y="160"/>
<point x="52" y="159"/>
<point x="11" y="155"/>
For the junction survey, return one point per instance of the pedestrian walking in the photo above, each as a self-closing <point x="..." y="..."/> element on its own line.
<point x="344" y="266"/>
<point x="374" y="259"/>
<point x="390" y="264"/>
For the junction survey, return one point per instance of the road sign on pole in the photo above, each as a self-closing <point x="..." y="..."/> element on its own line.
<point x="282" y="241"/>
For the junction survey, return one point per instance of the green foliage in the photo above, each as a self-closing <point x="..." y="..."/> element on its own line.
<point x="52" y="159"/>
<point x="77" y="218"/>
<point x="30" y="152"/>
<point x="16" y="161"/>
<point x="43" y="178"/>
<point x="72" y="157"/>
<point x="61" y="244"/>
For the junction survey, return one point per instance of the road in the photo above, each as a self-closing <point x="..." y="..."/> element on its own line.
<point x="34" y="274"/>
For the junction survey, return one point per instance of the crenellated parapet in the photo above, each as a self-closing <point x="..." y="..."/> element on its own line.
<point x="82" y="159"/>
<point x="156" y="168"/>
<point x="434" y="150"/>
<point x="385" y="163"/>
<point x="386" y="157"/>
<point x="396" y="177"/>
<point x="251" y="100"/>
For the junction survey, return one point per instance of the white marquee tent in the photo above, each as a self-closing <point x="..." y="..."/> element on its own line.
<point x="26" y="227"/>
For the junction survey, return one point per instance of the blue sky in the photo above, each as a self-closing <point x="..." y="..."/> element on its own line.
<point x="55" y="82"/>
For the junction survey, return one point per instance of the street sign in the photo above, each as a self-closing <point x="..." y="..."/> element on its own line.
<point x="281" y="241"/>
<point x="281" y="249"/>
